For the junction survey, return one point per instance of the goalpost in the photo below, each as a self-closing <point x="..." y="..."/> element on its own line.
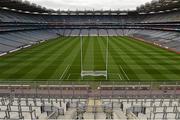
<point x="94" y="73"/>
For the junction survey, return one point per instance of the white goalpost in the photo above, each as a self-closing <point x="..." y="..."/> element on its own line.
<point x="94" y="73"/>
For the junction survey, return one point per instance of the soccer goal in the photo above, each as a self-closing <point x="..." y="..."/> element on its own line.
<point x="94" y="73"/>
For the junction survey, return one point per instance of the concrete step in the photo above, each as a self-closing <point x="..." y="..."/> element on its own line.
<point x="88" y="116"/>
<point x="70" y="114"/>
<point x="119" y="115"/>
<point x="101" y="116"/>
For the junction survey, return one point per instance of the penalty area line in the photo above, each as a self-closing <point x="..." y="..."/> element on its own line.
<point x="124" y="73"/>
<point x="68" y="77"/>
<point x="62" y="75"/>
<point x="120" y="77"/>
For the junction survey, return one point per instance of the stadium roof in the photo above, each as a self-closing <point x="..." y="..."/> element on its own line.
<point x="151" y="7"/>
<point x="160" y="6"/>
<point x="23" y="6"/>
<point x="90" y="4"/>
<point x="27" y="7"/>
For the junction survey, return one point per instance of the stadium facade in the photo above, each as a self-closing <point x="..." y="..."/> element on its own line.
<point x="25" y="25"/>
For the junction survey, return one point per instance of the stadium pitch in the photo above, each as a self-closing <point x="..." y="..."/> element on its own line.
<point x="60" y="59"/>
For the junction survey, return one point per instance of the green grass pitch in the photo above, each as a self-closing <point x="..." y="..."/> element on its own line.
<point x="59" y="59"/>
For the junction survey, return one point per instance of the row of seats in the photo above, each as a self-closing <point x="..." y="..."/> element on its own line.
<point x="92" y="32"/>
<point x="10" y="16"/>
<point x="15" y="40"/>
<point x="167" y="39"/>
<point x="163" y="17"/>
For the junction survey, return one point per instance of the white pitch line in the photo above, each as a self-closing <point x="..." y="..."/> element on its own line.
<point x="120" y="77"/>
<point x="124" y="73"/>
<point x="64" y="72"/>
<point x="68" y="77"/>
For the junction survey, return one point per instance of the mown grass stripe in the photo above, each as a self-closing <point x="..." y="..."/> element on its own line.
<point x="13" y="60"/>
<point x="153" y="71"/>
<point x="57" y="60"/>
<point x="26" y="67"/>
<point x="121" y="62"/>
<point x="138" y="60"/>
<point x="99" y="55"/>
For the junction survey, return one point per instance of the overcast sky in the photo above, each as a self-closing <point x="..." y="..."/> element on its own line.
<point x="90" y="4"/>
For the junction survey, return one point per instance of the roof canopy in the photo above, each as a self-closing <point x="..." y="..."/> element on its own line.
<point x="23" y="6"/>
<point x="160" y="6"/>
<point x="152" y="7"/>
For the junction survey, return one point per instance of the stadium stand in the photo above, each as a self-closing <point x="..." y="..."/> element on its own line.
<point x="166" y="39"/>
<point x="163" y="17"/>
<point x="69" y="102"/>
<point x="23" y="24"/>
<point x="9" y="16"/>
<point x="14" y="40"/>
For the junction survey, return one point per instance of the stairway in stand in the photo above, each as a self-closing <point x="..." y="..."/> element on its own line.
<point x="94" y="110"/>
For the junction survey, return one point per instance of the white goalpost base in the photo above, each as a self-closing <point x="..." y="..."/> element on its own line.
<point x="94" y="73"/>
